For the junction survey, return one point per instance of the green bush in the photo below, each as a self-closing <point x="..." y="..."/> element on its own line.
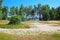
<point x="15" y="19"/>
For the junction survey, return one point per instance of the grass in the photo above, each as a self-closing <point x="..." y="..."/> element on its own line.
<point x="21" y="25"/>
<point x="4" y="24"/>
<point x="50" y="22"/>
<point x="4" y="21"/>
<point x="56" y="35"/>
<point x="5" y="36"/>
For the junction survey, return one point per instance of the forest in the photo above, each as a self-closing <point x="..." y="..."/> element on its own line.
<point x="44" y="12"/>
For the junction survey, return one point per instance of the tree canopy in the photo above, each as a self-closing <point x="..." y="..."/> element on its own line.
<point x="28" y="12"/>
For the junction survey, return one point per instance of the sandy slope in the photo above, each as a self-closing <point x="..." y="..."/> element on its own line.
<point x="39" y="28"/>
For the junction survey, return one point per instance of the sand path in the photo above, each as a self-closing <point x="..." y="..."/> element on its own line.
<point x="39" y="28"/>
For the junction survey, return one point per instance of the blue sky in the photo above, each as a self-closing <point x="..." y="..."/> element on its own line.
<point x="51" y="3"/>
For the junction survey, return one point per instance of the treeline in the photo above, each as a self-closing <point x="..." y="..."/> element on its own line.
<point x="47" y="12"/>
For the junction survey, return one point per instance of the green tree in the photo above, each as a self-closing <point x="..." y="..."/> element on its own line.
<point x="1" y="1"/>
<point x="1" y="15"/>
<point x="39" y="7"/>
<point x="45" y="12"/>
<point x="30" y="10"/>
<point x="58" y="13"/>
<point x="12" y="11"/>
<point x="16" y="11"/>
<point x="53" y="14"/>
<point x="5" y="12"/>
<point x="21" y="10"/>
<point x="40" y="11"/>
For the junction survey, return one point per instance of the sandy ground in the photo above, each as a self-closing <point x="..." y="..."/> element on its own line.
<point x="39" y="28"/>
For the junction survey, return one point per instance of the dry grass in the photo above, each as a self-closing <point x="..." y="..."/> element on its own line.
<point x="54" y="23"/>
<point x="50" y="22"/>
<point x="4" y="21"/>
<point x="4" y="24"/>
<point x="21" y="25"/>
<point x="4" y="36"/>
<point x="39" y="37"/>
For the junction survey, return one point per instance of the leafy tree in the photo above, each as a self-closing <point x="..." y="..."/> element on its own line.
<point x="21" y="10"/>
<point x="53" y="14"/>
<point x="32" y="12"/>
<point x="16" y="11"/>
<point x="45" y="12"/>
<point x="58" y="13"/>
<point x="1" y="2"/>
<point x="5" y="12"/>
<point x="12" y="11"/>
<point x="30" y="9"/>
<point x="39" y="7"/>
<point x="40" y="11"/>
<point x="1" y="15"/>
<point x="34" y="8"/>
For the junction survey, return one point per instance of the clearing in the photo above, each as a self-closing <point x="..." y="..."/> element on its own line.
<point x="37" y="29"/>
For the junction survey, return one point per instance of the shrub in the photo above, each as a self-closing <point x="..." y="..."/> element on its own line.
<point x="15" y="19"/>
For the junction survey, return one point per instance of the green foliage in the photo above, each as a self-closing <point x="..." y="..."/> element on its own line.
<point x="58" y="12"/>
<point x="47" y="13"/>
<point x="4" y="12"/>
<point x="16" y="11"/>
<point x="15" y="19"/>
<point x="21" y="10"/>
<point x="12" y="11"/>
<point x="53" y="14"/>
<point x="1" y="2"/>
<point x="46" y="16"/>
<point x="39" y="8"/>
<point x="1" y="15"/>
